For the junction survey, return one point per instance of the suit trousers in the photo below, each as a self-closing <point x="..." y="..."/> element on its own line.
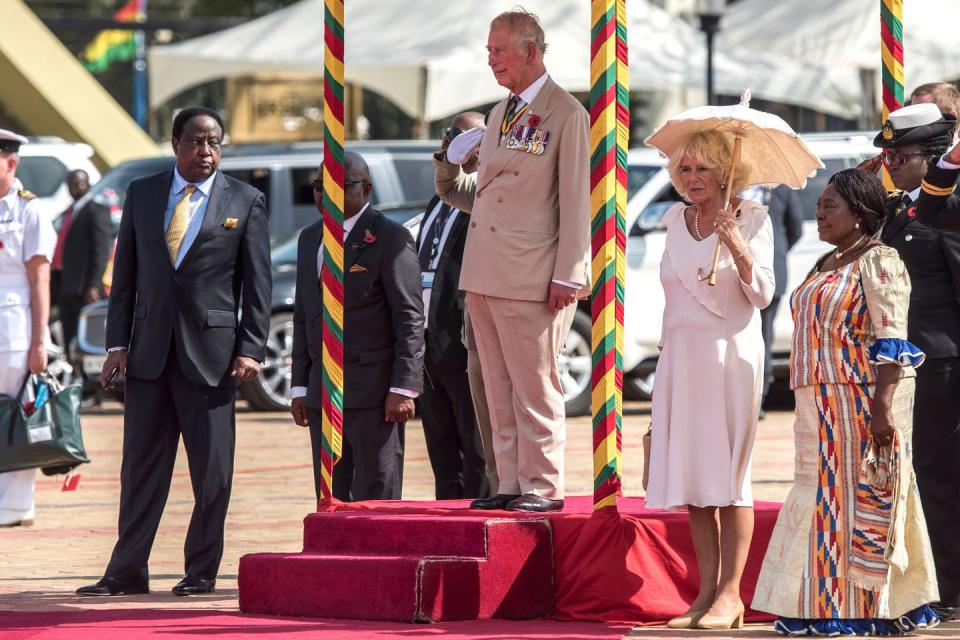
<point x="480" y="409"/>
<point x="69" y="310"/>
<point x="518" y="342"/>
<point x="767" y="317"/>
<point x="371" y="461"/>
<point x="450" y="429"/>
<point x="16" y="487"/>
<point x="156" y="414"/>
<point x="936" y="461"/>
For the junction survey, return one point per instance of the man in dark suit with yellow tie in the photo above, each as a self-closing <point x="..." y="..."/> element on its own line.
<point x="188" y="319"/>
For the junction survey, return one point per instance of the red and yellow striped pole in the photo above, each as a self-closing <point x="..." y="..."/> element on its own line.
<point x="891" y="55"/>
<point x="609" y="137"/>
<point x="332" y="272"/>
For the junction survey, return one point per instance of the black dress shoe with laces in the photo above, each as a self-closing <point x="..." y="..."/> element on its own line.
<point x="535" y="503"/>
<point x="112" y="587"/>
<point x="499" y="501"/>
<point x="194" y="586"/>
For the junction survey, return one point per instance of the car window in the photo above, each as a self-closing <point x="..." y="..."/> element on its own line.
<point x="42" y="175"/>
<point x="815" y="185"/>
<point x="652" y="215"/>
<point x="416" y="176"/>
<point x="257" y="178"/>
<point x="284" y="250"/>
<point x="637" y="176"/>
<point x="112" y="188"/>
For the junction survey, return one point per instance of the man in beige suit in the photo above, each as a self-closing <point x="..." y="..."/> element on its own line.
<point x="527" y="259"/>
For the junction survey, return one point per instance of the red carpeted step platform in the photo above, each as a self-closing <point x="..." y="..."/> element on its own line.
<point x="433" y="561"/>
<point x="382" y="566"/>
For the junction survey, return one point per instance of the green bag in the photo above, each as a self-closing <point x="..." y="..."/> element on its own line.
<point x="48" y="437"/>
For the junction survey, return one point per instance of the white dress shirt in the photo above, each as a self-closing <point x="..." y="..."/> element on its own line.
<point x="348" y="225"/>
<point x="942" y="162"/>
<point x="197" y="208"/>
<point x="427" y="222"/>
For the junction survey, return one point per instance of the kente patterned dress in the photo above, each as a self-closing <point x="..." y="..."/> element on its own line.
<point x="850" y="554"/>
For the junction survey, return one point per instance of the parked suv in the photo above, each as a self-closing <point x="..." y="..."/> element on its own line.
<point x="44" y="165"/>
<point x="402" y="176"/>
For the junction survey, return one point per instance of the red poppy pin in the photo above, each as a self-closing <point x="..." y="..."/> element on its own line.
<point x="912" y="212"/>
<point x="534" y="120"/>
<point x="368" y="237"/>
<point x="1" y="244"/>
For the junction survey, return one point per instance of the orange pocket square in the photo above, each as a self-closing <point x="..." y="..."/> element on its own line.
<point x="358" y="268"/>
<point x="229" y="223"/>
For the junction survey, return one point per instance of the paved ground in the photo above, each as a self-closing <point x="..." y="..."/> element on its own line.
<point x="74" y="531"/>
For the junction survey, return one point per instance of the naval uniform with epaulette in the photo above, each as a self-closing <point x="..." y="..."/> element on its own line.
<point x="24" y="234"/>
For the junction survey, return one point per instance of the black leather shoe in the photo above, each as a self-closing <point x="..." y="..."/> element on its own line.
<point x="111" y="587"/>
<point x="194" y="586"/>
<point x="533" y="502"/>
<point x="499" y="501"/>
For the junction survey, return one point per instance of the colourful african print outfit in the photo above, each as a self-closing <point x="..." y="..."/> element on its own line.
<point x="850" y="552"/>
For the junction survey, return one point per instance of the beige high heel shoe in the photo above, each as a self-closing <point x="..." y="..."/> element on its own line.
<point x="732" y="621"/>
<point x="688" y="620"/>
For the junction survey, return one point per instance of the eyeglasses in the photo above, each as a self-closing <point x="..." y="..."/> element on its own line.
<point x="896" y="158"/>
<point x="452" y="132"/>
<point x="318" y="184"/>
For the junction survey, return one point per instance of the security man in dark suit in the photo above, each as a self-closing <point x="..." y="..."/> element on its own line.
<point x="83" y="256"/>
<point x="786" y="216"/>
<point x="382" y="341"/>
<point x="449" y="422"/>
<point x="911" y="138"/>
<point x="188" y="320"/>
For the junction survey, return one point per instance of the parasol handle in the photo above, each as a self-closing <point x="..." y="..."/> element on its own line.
<point x="712" y="279"/>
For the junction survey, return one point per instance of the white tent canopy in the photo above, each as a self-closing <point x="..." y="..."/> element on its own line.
<point x="428" y="56"/>
<point x="846" y="34"/>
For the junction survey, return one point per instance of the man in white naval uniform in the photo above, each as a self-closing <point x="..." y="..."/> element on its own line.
<point x="27" y="241"/>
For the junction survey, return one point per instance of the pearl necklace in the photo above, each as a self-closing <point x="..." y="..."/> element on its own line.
<point x="839" y="254"/>
<point x="696" y="223"/>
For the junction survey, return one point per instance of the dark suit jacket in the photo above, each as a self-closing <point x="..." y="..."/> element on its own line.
<point x="86" y="250"/>
<point x="933" y="262"/>
<point x="444" y="339"/>
<point x="225" y="270"/>
<point x="935" y="207"/>
<point x="786" y="216"/>
<point x="382" y="316"/>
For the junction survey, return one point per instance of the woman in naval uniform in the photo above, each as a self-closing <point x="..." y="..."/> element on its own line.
<point x="27" y="241"/>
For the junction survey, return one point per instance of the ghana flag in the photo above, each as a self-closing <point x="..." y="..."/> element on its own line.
<point x="114" y="45"/>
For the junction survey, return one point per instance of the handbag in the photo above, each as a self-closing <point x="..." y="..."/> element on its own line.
<point x="49" y="435"/>
<point x="646" y="456"/>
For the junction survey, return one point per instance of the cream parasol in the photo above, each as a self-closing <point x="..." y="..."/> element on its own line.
<point x="763" y="144"/>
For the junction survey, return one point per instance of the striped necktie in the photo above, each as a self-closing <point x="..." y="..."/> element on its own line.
<point x="178" y="223"/>
<point x="514" y="109"/>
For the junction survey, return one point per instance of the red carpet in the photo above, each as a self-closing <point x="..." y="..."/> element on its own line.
<point x="165" y="624"/>
<point x="432" y="561"/>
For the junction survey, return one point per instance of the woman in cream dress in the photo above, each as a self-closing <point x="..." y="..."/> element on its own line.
<point x="850" y="553"/>
<point x="709" y="376"/>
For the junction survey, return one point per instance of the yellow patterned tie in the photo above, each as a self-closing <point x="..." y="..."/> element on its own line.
<point x="178" y="223"/>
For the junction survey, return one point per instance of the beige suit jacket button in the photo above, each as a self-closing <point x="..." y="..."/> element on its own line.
<point x="493" y="229"/>
<point x="473" y="224"/>
<point x="500" y="199"/>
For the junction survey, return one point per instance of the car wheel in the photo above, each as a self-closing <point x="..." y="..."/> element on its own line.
<point x="270" y="391"/>
<point x="574" y="366"/>
<point x="638" y="387"/>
